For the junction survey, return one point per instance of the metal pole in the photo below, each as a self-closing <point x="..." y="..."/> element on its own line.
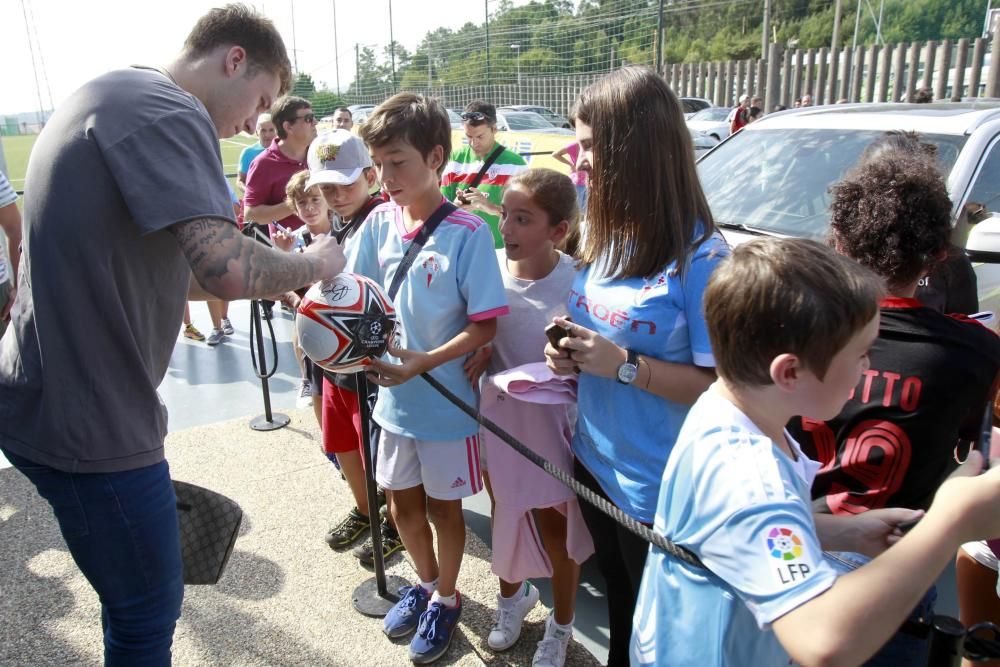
<point x="357" y="70"/>
<point x="659" y="40"/>
<point x="392" y="49"/>
<point x="836" y="26"/>
<point x="765" y="37"/>
<point x="336" y="50"/>
<point x="986" y="19"/>
<point x="295" y="51"/>
<point x="486" y="8"/>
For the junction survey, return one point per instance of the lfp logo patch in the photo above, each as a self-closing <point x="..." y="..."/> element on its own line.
<point x="784" y="544"/>
<point x="794" y="561"/>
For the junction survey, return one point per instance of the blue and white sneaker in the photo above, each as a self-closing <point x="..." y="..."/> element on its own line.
<point x="437" y="627"/>
<point x="402" y="619"/>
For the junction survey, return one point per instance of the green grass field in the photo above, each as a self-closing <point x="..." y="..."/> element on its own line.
<point x="17" y="149"/>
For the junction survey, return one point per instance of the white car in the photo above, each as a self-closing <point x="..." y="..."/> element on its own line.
<point x="773" y="177"/>
<point x="711" y="121"/>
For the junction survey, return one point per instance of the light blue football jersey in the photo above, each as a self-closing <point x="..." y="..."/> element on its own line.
<point x="454" y="279"/>
<point x="732" y="497"/>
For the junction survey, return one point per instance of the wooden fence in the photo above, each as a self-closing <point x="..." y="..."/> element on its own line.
<point x="950" y="69"/>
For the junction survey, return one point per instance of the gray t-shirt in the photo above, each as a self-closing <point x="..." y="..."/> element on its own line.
<point x="520" y="336"/>
<point x="102" y="284"/>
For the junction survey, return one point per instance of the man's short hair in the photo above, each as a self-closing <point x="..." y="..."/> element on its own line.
<point x="776" y="296"/>
<point x="420" y="121"/>
<point x="344" y="109"/>
<point x="892" y="213"/>
<point x="263" y="118"/>
<point x="239" y="25"/>
<point x="488" y="110"/>
<point x="923" y="96"/>
<point x="285" y="109"/>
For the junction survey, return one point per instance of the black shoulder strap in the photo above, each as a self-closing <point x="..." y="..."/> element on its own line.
<point x="486" y="165"/>
<point x="430" y="224"/>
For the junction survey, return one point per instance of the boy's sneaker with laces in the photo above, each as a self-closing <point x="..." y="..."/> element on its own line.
<point x="404" y="616"/>
<point x="216" y="337"/>
<point x="434" y="633"/>
<point x="551" y="651"/>
<point x="510" y="618"/>
<point x="191" y="332"/>
<point x="345" y="533"/>
<point x="305" y="395"/>
<point x="227" y="327"/>
<point x="391" y="543"/>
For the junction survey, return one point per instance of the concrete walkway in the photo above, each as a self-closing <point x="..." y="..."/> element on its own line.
<point x="285" y="598"/>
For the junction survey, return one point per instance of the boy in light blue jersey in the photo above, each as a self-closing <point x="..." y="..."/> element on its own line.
<point x="791" y="323"/>
<point x="446" y="308"/>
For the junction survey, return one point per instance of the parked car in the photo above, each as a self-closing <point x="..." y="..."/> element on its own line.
<point x="527" y="121"/>
<point x="455" y="117"/>
<point x="702" y="142"/>
<point x="545" y="112"/>
<point x="693" y="105"/>
<point x="773" y="177"/>
<point x="712" y="121"/>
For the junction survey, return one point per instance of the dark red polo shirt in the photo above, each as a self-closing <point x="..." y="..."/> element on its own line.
<point x="269" y="174"/>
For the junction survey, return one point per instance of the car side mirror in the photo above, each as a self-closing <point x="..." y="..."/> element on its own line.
<point x="983" y="244"/>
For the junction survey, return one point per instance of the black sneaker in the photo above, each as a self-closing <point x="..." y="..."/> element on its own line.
<point x="390" y="545"/>
<point x="348" y="531"/>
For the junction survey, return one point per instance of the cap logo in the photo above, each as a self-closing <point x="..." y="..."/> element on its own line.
<point x="328" y="152"/>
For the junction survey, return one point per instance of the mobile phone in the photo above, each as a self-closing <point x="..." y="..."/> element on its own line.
<point x="986" y="435"/>
<point x="460" y="196"/>
<point x="556" y="333"/>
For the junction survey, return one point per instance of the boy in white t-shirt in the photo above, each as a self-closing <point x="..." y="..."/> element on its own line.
<point x="791" y="323"/>
<point x="446" y="308"/>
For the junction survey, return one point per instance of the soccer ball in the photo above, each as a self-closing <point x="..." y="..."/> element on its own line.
<point x="344" y="323"/>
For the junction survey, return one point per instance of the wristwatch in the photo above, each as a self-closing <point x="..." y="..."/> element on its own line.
<point x="628" y="371"/>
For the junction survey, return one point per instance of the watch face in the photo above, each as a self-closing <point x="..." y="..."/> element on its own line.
<point x="627" y="373"/>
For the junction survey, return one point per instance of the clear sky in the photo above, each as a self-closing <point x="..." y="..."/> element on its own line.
<point x="80" y="40"/>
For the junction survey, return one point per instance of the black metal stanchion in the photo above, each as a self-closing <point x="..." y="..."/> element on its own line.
<point x="373" y="597"/>
<point x="946" y="642"/>
<point x="267" y="421"/>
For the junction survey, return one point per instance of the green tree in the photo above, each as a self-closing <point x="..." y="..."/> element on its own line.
<point x="303" y="86"/>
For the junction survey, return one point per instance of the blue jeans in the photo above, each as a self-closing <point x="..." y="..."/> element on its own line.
<point x="901" y="649"/>
<point x="121" y="529"/>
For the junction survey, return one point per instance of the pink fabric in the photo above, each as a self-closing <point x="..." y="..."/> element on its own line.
<point x="538" y="408"/>
<point x="578" y="177"/>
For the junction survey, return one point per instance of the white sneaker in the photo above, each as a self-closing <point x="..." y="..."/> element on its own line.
<point x="227" y="327"/>
<point x="510" y="617"/>
<point x="551" y="651"/>
<point x="305" y="395"/>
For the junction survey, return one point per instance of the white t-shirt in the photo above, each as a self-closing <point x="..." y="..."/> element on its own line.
<point x="520" y="337"/>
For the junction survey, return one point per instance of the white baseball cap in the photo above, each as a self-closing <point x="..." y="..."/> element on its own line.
<point x="338" y="157"/>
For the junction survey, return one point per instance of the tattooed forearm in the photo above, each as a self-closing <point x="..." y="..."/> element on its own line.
<point x="232" y="266"/>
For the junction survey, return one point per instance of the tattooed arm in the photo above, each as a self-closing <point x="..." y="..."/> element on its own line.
<point x="230" y="266"/>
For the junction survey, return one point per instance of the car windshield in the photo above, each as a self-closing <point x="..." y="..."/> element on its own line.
<point x="712" y="113"/>
<point x="777" y="181"/>
<point x="522" y="120"/>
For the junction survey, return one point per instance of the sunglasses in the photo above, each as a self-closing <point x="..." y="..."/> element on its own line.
<point x="475" y="116"/>
<point x="309" y="118"/>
